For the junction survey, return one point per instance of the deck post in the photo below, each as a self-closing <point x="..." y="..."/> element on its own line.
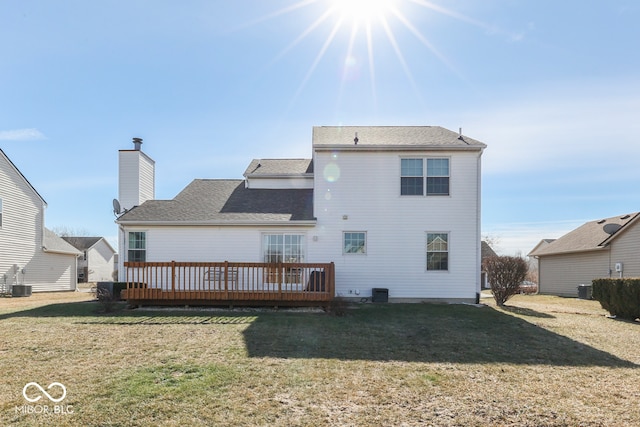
<point x="226" y="279"/>
<point x="332" y="280"/>
<point x="173" y="276"/>
<point x="280" y="275"/>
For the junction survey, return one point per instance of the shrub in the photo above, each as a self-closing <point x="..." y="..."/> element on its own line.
<point x="505" y="274"/>
<point x="105" y="298"/>
<point x="620" y="297"/>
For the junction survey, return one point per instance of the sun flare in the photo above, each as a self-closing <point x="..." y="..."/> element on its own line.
<point x="362" y="10"/>
<point x="366" y="22"/>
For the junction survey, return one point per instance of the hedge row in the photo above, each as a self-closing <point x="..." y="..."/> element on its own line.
<point x="620" y="297"/>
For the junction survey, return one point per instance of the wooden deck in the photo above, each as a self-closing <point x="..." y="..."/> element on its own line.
<point x="229" y="283"/>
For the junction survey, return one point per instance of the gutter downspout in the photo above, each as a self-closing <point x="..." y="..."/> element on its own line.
<point x="121" y="244"/>
<point x="478" y="229"/>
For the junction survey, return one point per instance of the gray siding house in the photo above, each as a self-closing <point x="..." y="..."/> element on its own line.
<point x="603" y="248"/>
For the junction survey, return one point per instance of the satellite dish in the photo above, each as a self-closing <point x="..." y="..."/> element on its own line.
<point x="117" y="210"/>
<point x="611" y="228"/>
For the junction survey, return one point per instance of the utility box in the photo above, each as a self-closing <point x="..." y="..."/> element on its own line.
<point x="380" y="295"/>
<point x="21" y="290"/>
<point x="584" y="291"/>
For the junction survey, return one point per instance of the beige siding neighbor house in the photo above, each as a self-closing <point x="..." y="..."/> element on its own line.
<point x="604" y="248"/>
<point x="30" y="254"/>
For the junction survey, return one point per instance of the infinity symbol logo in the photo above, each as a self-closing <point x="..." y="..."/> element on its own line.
<point x="35" y="399"/>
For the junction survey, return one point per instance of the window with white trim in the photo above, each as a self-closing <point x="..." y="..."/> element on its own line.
<point x="354" y="242"/>
<point x="418" y="176"/>
<point x="437" y="251"/>
<point x="137" y="249"/>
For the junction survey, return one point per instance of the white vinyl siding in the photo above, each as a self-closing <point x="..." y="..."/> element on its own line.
<point x="136" y="179"/>
<point x="0" y="212"/>
<point x="366" y="197"/>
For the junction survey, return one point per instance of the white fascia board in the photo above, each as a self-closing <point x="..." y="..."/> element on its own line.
<point x="342" y="147"/>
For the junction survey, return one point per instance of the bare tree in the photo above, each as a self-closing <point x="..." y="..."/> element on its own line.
<point x="65" y="231"/>
<point x="505" y="274"/>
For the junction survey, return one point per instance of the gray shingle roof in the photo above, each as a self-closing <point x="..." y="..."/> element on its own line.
<point x="81" y="243"/>
<point x="53" y="243"/>
<point x="226" y="201"/>
<point x="589" y="236"/>
<point x="259" y="167"/>
<point x="392" y="136"/>
<point x="486" y="251"/>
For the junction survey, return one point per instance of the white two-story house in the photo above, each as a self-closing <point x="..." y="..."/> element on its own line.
<point x="30" y="254"/>
<point x="394" y="208"/>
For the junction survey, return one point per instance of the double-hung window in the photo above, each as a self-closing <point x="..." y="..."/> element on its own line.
<point x="418" y="175"/>
<point x="137" y="246"/>
<point x="412" y="177"/>
<point x="437" y="177"/>
<point x="438" y="251"/>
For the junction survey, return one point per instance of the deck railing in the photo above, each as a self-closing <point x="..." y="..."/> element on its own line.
<point x="229" y="283"/>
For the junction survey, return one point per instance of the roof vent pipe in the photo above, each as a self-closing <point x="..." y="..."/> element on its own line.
<point x="137" y="142"/>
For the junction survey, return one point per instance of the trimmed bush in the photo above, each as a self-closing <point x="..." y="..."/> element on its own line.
<point x="620" y="297"/>
<point x="505" y="274"/>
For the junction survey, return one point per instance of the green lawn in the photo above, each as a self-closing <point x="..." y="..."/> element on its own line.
<point x="542" y="361"/>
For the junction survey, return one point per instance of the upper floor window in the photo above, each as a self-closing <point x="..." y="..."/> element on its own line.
<point x="416" y="175"/>
<point x="354" y="242"/>
<point x="137" y="246"/>
<point x="437" y="251"/>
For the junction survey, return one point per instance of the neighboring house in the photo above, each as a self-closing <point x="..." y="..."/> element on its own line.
<point x="486" y="252"/>
<point x="603" y="248"/>
<point x="396" y="208"/>
<point x="96" y="262"/>
<point x="30" y="254"/>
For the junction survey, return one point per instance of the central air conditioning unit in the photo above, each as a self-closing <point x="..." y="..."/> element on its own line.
<point x="21" y="290"/>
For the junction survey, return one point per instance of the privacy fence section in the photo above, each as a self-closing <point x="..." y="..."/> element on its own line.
<point x="222" y="283"/>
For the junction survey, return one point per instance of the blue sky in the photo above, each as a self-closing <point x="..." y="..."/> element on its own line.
<point x="552" y="87"/>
